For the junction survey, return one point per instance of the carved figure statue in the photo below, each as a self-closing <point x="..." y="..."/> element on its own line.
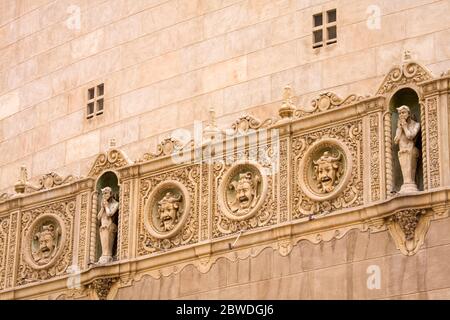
<point x="327" y="171"/>
<point x="246" y="193"/>
<point x="108" y="228"/>
<point x="169" y="211"/>
<point x="47" y="239"/>
<point x="407" y="130"/>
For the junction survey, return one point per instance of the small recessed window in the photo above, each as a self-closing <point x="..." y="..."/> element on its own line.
<point x="324" y="32"/>
<point x="331" y="16"/>
<point x="318" y="20"/>
<point x="95" y="103"/>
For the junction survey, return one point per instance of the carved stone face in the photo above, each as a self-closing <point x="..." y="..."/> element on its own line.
<point x="404" y="113"/>
<point x="168" y="209"/>
<point x="245" y="194"/>
<point x="327" y="172"/>
<point x="106" y="193"/>
<point x="46" y="244"/>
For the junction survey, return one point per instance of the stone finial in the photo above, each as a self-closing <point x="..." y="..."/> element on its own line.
<point x="211" y="130"/>
<point x="287" y="107"/>
<point x="407" y="56"/>
<point x="23" y="180"/>
<point x="112" y="143"/>
<point x="212" y="117"/>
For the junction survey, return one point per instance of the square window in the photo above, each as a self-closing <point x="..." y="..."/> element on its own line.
<point x="90" y="110"/>
<point x="318" y="36"/>
<point x="332" y="33"/>
<point x="331" y="16"/>
<point x="99" y="106"/>
<point x="91" y="94"/>
<point x="317" y="20"/>
<point x="100" y="89"/>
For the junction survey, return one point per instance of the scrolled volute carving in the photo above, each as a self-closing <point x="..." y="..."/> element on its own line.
<point x="111" y="160"/>
<point x="166" y="147"/>
<point x="246" y="123"/>
<point x="408" y="72"/>
<point x="327" y="101"/>
<point x="48" y="181"/>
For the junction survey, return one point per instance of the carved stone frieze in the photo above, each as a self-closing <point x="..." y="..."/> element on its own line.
<point x="408" y="229"/>
<point x="168" y="209"/>
<point x="433" y="142"/>
<point x="375" y="183"/>
<point x="327" y="101"/>
<point x="84" y="216"/>
<point x="46" y="248"/>
<point x="124" y="220"/>
<point x="4" y="231"/>
<point x="337" y="151"/>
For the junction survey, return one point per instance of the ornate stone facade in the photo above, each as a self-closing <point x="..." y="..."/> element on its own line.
<point x="268" y="191"/>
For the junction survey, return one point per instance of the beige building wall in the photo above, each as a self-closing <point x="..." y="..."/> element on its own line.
<point x="340" y="269"/>
<point x="164" y="63"/>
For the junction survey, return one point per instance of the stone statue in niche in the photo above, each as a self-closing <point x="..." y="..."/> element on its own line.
<point x="169" y="211"/>
<point x="327" y="171"/>
<point x="407" y="130"/>
<point x="108" y="228"/>
<point x="47" y="240"/>
<point x="246" y="195"/>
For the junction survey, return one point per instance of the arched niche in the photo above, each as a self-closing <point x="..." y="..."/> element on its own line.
<point x="107" y="179"/>
<point x="409" y="97"/>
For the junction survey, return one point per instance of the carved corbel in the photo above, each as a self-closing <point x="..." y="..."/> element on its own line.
<point x="102" y="287"/>
<point x="408" y="229"/>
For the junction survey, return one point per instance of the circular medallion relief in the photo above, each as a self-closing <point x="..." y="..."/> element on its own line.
<point x="44" y="241"/>
<point x="325" y="169"/>
<point x="167" y="209"/>
<point x="242" y="191"/>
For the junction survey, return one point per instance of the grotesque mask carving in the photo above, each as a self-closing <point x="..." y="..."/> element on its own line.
<point x="246" y="195"/>
<point x="168" y="211"/>
<point x="327" y="171"/>
<point x="46" y="244"/>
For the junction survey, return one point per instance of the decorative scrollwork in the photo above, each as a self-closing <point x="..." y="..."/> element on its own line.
<point x="166" y="147"/>
<point x="48" y="181"/>
<point x="247" y="122"/>
<point x="409" y="72"/>
<point x="113" y="159"/>
<point x="327" y="101"/>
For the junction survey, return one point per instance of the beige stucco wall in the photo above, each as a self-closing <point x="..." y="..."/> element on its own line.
<point x="331" y="270"/>
<point x="164" y="63"/>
